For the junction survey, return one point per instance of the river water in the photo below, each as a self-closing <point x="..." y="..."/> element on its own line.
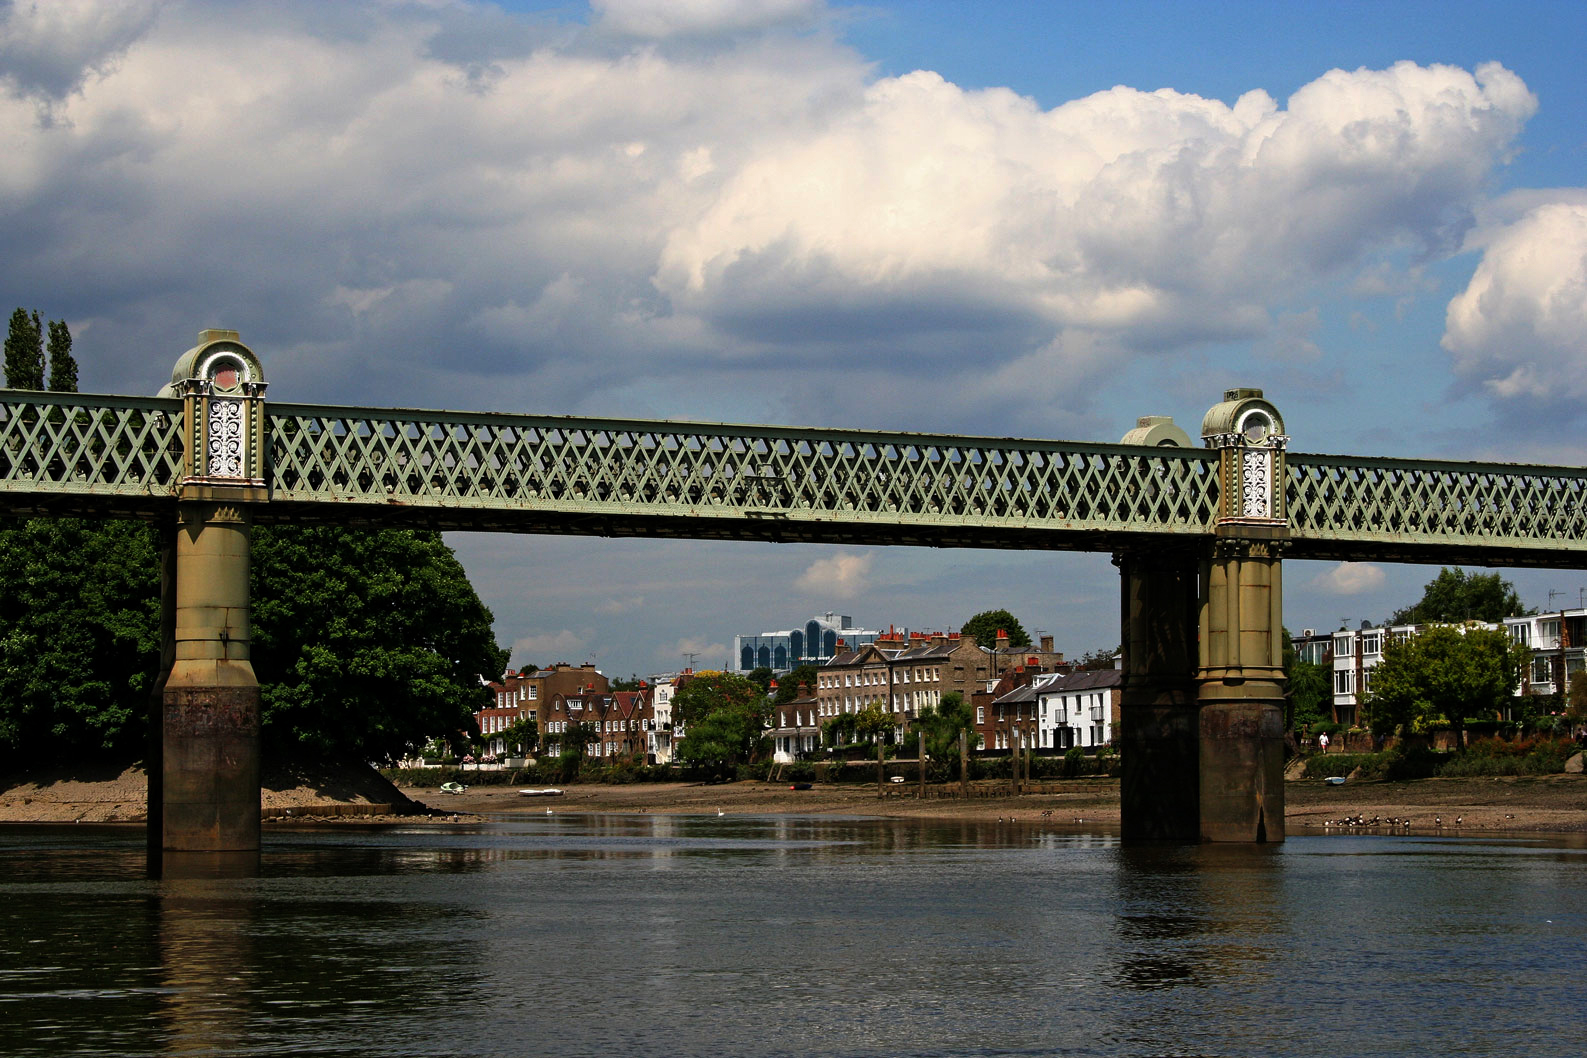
<point x="767" y="936"/>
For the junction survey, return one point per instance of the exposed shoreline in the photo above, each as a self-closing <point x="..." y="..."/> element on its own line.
<point x="1526" y="804"/>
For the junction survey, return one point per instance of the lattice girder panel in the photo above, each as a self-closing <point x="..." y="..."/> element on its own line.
<point x="1488" y="508"/>
<point x="671" y="470"/>
<point x="61" y="449"/>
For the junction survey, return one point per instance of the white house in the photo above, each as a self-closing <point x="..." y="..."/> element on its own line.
<point x="1077" y="708"/>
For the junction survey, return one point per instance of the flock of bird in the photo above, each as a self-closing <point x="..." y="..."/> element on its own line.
<point x="1396" y="822"/>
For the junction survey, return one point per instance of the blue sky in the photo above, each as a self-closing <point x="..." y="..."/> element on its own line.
<point x="1013" y="218"/>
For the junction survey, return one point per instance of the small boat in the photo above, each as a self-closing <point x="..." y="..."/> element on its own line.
<point x="453" y="787"/>
<point x="799" y="786"/>
<point x="550" y="791"/>
<point x="1335" y="780"/>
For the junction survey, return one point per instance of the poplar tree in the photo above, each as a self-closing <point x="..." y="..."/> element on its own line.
<point x="25" y="351"/>
<point x="63" y="369"/>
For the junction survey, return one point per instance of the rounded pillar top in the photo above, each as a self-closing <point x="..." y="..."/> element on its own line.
<point x="1243" y="419"/>
<point x="1157" y="431"/>
<point x="220" y="360"/>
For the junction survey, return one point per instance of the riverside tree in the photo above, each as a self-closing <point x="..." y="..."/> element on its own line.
<point x="1455" y="595"/>
<point x="1444" y="674"/>
<point x="985" y="626"/>
<point x="942" y="723"/>
<point x="364" y="642"/>
<point x="724" y="717"/>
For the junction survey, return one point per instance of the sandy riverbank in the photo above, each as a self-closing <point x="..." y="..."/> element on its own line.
<point x="1546" y="804"/>
<point x="1550" y="804"/>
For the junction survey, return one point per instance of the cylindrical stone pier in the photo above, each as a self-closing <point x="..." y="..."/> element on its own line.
<point x="210" y="728"/>
<point x="1241" y="695"/>
<point x="1158" y="709"/>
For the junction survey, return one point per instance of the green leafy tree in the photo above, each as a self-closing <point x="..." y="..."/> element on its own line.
<point x="788" y="686"/>
<point x="761" y="677"/>
<point x="365" y="642"/>
<point x="1455" y="595"/>
<point x="24" y="350"/>
<point x="79" y="639"/>
<point x="942" y="724"/>
<point x="708" y="691"/>
<point x="577" y="740"/>
<point x="723" y="739"/>
<point x="1576" y="701"/>
<point x="632" y="683"/>
<point x="985" y="625"/>
<point x="1444" y="674"/>
<point x="724" y="717"/>
<point x="63" y="369"/>
<point x="873" y="723"/>
<point x="79" y="609"/>
<point x="522" y="735"/>
<point x="1308" y="695"/>
<point x="838" y="730"/>
<point x="1101" y="658"/>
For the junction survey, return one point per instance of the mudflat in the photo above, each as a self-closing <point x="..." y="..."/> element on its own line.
<point x="1549" y="804"/>
<point x="1553" y="803"/>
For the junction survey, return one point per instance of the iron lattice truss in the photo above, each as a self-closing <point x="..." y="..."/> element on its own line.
<point x="555" y="474"/>
<point x="118" y="456"/>
<point x="1356" y="508"/>
<point x="88" y="454"/>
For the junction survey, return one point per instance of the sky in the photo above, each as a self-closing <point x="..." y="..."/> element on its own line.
<point x="1015" y="219"/>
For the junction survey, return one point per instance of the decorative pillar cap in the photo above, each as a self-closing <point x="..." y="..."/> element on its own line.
<point x="1243" y="419"/>
<point x="1157" y="431"/>
<point x="221" y="362"/>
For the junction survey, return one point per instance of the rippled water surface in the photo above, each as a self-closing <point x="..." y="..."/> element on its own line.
<point x="679" y="936"/>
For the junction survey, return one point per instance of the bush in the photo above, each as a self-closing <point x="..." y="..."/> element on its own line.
<point x="1074" y="762"/>
<point x="1528" y="756"/>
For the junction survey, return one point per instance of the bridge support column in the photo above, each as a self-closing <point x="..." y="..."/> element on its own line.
<point x="1241" y="679"/>
<point x="209" y="718"/>
<point x="1241" y="693"/>
<point x="210" y="724"/>
<point x="1158" y="736"/>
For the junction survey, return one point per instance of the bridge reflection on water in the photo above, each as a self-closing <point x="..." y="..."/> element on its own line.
<point x="655" y="935"/>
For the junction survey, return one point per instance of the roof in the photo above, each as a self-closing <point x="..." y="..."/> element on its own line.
<point x="1082" y="680"/>
<point x="1026" y="693"/>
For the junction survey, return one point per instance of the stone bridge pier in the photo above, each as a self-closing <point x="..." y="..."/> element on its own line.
<point x="208" y="721"/>
<point x="1202" y="724"/>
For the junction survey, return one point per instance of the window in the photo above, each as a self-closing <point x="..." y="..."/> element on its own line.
<point x="1344" y="681"/>
<point x="1548" y="633"/>
<point x="980" y="714"/>
<point x="1344" y="645"/>
<point x="1542" y="670"/>
<point x="1371" y="644"/>
<point x="534" y="692"/>
<point x="1520" y="634"/>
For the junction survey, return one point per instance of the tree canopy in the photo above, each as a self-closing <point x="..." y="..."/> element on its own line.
<point x="365" y="641"/>
<point x="985" y="625"/>
<point x="79" y="638"/>
<point x="942" y="724"/>
<point x="788" y="686"/>
<point x="724" y="717"/>
<point x="24" y="364"/>
<point x="1455" y="595"/>
<point x="1444" y="674"/>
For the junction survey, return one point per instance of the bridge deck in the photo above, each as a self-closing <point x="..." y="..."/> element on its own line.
<point x="108" y="456"/>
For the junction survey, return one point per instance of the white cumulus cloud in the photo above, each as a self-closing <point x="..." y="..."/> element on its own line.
<point x="1520" y="326"/>
<point x="686" y="209"/>
<point x="842" y="576"/>
<point x="1350" y="578"/>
